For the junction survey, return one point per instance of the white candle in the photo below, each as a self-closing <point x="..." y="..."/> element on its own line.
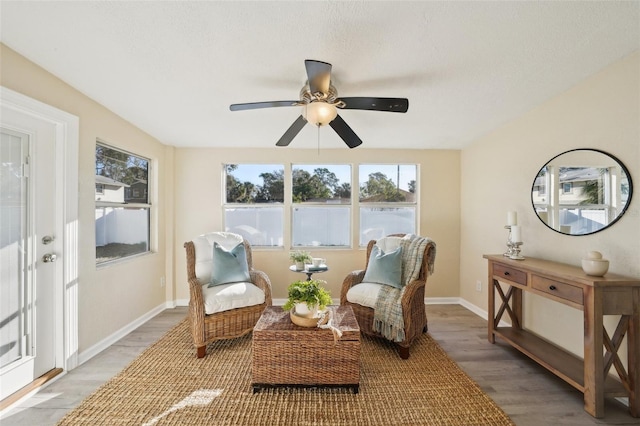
<point x="512" y="218"/>
<point x="515" y="234"/>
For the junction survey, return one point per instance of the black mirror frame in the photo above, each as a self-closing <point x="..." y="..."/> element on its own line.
<point x="622" y="212"/>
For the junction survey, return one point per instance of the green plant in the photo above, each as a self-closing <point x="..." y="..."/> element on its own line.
<point x="310" y="292"/>
<point x="300" y="256"/>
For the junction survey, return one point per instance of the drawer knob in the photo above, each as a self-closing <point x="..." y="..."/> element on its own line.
<point x="507" y="273"/>
<point x="552" y="287"/>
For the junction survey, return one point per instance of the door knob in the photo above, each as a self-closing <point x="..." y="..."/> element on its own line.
<point x="49" y="257"/>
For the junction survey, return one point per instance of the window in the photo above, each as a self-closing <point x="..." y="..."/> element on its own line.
<point x="122" y="204"/>
<point x="322" y="203"/>
<point x="321" y="211"/>
<point x="387" y="194"/>
<point x="567" y="188"/>
<point x="254" y="202"/>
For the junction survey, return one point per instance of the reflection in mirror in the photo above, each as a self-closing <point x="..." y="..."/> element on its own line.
<point x="581" y="191"/>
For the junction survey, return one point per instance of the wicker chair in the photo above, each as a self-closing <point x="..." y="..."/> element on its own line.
<point x="225" y="324"/>
<point x="413" y="307"/>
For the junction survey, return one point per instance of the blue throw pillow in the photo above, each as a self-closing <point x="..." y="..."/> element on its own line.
<point x="229" y="266"/>
<point x="384" y="268"/>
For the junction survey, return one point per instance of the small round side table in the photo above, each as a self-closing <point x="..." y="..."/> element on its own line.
<point x="309" y="270"/>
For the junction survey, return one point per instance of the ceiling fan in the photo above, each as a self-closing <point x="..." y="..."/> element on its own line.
<point x="319" y="99"/>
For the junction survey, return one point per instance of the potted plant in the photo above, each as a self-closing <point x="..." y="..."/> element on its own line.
<point x="300" y="257"/>
<point x="308" y="297"/>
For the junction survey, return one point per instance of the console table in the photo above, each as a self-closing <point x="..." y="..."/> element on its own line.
<point x="595" y="296"/>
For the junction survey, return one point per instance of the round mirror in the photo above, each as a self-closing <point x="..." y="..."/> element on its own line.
<point x="582" y="191"/>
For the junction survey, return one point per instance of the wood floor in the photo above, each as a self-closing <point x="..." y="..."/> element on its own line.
<point x="529" y="394"/>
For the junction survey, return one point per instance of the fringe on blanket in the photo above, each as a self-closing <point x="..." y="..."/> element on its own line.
<point x="387" y="316"/>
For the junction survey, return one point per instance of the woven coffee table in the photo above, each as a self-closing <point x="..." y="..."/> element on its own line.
<point x="285" y="354"/>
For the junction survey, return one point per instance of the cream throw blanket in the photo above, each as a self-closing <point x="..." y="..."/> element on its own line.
<point x="387" y="315"/>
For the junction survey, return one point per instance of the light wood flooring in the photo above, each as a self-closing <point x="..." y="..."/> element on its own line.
<point x="528" y="393"/>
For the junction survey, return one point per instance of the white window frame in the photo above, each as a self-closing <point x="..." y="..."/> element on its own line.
<point x="387" y="205"/>
<point x="354" y="206"/>
<point x="281" y="205"/>
<point x="147" y="206"/>
<point x="320" y="204"/>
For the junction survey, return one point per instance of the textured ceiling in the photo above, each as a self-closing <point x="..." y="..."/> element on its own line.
<point x="173" y="68"/>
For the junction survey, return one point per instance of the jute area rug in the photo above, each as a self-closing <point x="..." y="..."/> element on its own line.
<point x="168" y="385"/>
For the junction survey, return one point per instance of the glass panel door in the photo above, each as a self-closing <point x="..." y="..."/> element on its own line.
<point x="13" y="247"/>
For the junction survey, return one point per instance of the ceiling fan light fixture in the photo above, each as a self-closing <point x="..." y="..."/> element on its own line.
<point x="319" y="113"/>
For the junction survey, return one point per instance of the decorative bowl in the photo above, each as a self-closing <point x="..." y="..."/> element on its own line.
<point x="595" y="267"/>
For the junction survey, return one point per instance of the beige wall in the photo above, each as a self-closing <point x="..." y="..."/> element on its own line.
<point x="110" y="297"/>
<point x="198" y="210"/>
<point x="601" y="112"/>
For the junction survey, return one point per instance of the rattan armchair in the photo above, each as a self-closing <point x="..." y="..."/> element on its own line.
<point x="229" y="323"/>
<point x="413" y="306"/>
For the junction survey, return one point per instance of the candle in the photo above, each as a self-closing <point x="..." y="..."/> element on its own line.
<point x="512" y="218"/>
<point x="515" y="234"/>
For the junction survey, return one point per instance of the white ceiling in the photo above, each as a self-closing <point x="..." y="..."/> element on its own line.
<point x="173" y="68"/>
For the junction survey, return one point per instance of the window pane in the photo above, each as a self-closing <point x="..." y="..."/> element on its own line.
<point x="376" y="223"/>
<point x="121" y="232"/>
<point x="321" y="226"/>
<point x="261" y="226"/>
<point x="578" y="221"/>
<point x="315" y="183"/>
<point x="254" y="183"/>
<point x="121" y="177"/>
<point x="387" y="183"/>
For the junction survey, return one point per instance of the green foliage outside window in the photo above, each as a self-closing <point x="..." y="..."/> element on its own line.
<point x="321" y="184"/>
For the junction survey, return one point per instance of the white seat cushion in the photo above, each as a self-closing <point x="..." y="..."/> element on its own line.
<point x="225" y="297"/>
<point x="364" y="294"/>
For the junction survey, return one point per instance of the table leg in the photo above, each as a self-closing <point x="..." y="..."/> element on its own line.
<point x="633" y="355"/>
<point x="593" y="356"/>
<point x="491" y="305"/>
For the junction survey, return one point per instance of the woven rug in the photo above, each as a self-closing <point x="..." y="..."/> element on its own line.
<point x="168" y="385"/>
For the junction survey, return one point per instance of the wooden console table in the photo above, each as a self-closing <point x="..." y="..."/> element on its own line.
<point x="595" y="296"/>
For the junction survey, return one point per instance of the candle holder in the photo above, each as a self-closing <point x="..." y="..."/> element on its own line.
<point x="510" y="245"/>
<point x="516" y="251"/>
<point x="513" y="247"/>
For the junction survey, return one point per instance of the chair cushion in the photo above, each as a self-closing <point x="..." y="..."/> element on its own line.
<point x="384" y="268"/>
<point x="364" y="294"/>
<point x="225" y="297"/>
<point x="229" y="266"/>
<point x="203" y="245"/>
<point x="388" y="244"/>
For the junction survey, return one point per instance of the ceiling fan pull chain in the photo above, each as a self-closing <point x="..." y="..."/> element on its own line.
<point x="318" y="139"/>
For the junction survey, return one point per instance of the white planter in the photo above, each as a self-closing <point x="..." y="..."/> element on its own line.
<point x="300" y="266"/>
<point x="303" y="310"/>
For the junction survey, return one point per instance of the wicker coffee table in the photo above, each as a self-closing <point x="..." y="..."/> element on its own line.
<point x="285" y="354"/>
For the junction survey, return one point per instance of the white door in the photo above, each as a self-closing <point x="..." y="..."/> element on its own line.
<point x="29" y="250"/>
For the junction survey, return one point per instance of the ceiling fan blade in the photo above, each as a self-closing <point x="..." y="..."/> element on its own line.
<point x="377" y="104"/>
<point x="344" y="131"/>
<point x="292" y="132"/>
<point x="257" y="105"/>
<point x="319" y="75"/>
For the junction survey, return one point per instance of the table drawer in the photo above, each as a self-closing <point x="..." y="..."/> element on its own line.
<point x="511" y="274"/>
<point x="558" y="289"/>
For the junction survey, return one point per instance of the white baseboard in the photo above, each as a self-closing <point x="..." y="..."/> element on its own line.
<point x="89" y="353"/>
